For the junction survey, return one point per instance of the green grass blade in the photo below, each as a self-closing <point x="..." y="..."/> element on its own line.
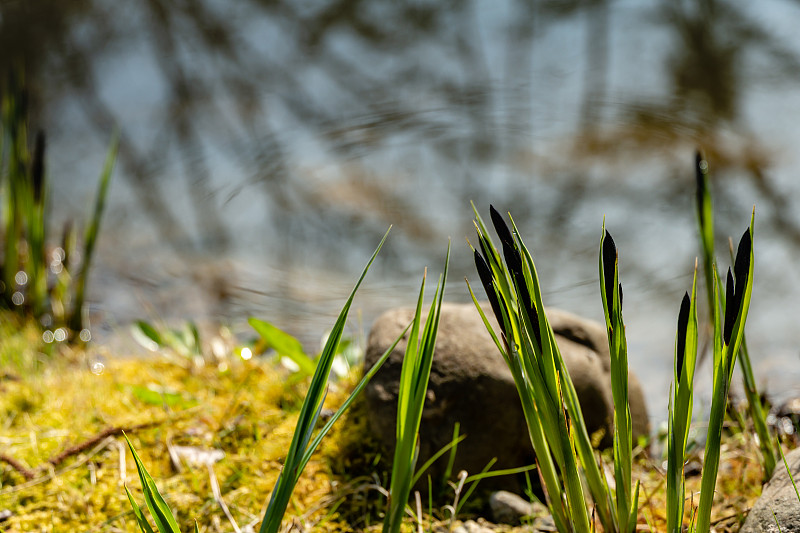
<point x="739" y="291"/>
<point x="547" y="468"/>
<point x="284" y="344"/>
<point x="528" y="345"/>
<point x="309" y="414"/>
<point x="350" y="399"/>
<point x="766" y="443"/>
<point x="76" y="320"/>
<point x="553" y="364"/>
<point x="705" y="221"/>
<point x="680" y="406"/>
<point x="611" y="295"/>
<point x="144" y="525"/>
<point x="788" y="471"/>
<point x="414" y="377"/>
<point x="159" y="510"/>
<point x="706" y="231"/>
<point x="498" y="473"/>
<point x="443" y="450"/>
<point x="474" y="480"/>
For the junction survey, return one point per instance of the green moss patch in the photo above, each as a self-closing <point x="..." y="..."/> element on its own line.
<point x="63" y="462"/>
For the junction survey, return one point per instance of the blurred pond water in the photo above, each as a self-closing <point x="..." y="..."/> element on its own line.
<point x="267" y="145"/>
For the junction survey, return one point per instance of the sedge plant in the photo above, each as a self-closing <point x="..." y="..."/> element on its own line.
<point x="611" y="294"/>
<point x="414" y="377"/>
<point x="549" y="401"/>
<point x="728" y="335"/>
<point x="680" y="407"/>
<point x="705" y="221"/>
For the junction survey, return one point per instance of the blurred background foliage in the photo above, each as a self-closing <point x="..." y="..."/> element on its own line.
<point x="265" y="145"/>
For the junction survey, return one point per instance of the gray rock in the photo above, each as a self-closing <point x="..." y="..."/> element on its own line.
<point x="471" y="526"/>
<point x="777" y="497"/>
<point x="509" y="508"/>
<point x="471" y="384"/>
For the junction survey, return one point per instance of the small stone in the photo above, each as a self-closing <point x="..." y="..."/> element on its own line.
<point x="509" y="508"/>
<point x="778" y="497"/>
<point x="471" y="526"/>
<point x="470" y="384"/>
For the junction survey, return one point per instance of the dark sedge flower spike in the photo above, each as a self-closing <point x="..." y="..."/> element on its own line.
<point x="501" y="227"/>
<point x="514" y="263"/>
<point x="731" y="309"/>
<point x="741" y="267"/>
<point x="609" y="262"/>
<point x="485" y="273"/>
<point x="683" y="324"/>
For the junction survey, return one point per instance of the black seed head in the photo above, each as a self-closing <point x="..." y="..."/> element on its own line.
<point x="513" y="259"/>
<point x="501" y="227"/>
<point x="683" y="324"/>
<point x="731" y="308"/>
<point x="741" y="267"/>
<point x="485" y="273"/>
<point x="609" y="252"/>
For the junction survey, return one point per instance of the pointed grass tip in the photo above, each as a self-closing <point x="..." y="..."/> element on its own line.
<point x="501" y="227"/>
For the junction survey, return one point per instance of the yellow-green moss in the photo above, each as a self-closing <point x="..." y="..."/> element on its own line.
<point x="249" y="411"/>
<point x="238" y="411"/>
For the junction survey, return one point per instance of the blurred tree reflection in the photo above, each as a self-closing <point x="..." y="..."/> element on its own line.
<point x="362" y="78"/>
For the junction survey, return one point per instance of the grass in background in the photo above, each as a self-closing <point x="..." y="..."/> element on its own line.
<point x="38" y="278"/>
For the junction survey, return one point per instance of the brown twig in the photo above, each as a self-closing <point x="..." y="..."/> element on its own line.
<point x="27" y="473"/>
<point x="60" y="457"/>
<point x="91" y="441"/>
<point x="730" y="516"/>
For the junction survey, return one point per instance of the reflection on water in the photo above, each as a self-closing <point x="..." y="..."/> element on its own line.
<point x="267" y="145"/>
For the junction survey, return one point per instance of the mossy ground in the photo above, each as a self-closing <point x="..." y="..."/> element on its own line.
<point x="248" y="410"/>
